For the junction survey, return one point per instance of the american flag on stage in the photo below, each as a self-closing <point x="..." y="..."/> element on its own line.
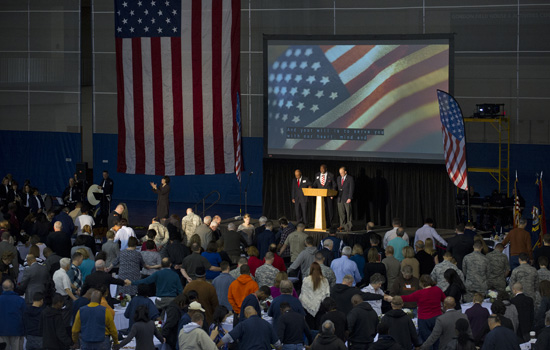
<point x="238" y="155"/>
<point x="177" y="82"/>
<point x="454" y="142"/>
<point x="356" y="86"/>
<point x="538" y="226"/>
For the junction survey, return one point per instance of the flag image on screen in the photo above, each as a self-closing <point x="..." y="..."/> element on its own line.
<point x="355" y="99"/>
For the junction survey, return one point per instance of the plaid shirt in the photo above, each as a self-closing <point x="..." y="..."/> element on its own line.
<point x="284" y="234"/>
<point x="75" y="276"/>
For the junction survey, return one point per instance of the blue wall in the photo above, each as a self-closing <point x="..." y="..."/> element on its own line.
<point x="186" y="189"/>
<point x="528" y="160"/>
<point x="48" y="159"/>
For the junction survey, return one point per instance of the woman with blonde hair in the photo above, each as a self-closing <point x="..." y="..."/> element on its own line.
<point x="374" y="265"/>
<point x="88" y="263"/>
<point x="357" y="256"/>
<point x="409" y="259"/>
<point x="247" y="229"/>
<point x="275" y="291"/>
<point x="315" y="289"/>
<point x="429" y="248"/>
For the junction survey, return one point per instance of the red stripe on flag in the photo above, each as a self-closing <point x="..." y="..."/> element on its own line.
<point x="196" y="58"/>
<point x="351" y="56"/>
<point x="121" y="166"/>
<point x="139" y="135"/>
<point x="179" y="154"/>
<point x="158" y="111"/>
<point x="235" y="69"/>
<point x="217" y="103"/>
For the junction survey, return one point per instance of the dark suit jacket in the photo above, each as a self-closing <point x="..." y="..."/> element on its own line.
<point x="77" y="195"/>
<point x="59" y="243"/>
<point x="526" y="315"/>
<point x="35" y="278"/>
<point x="297" y="193"/>
<point x="444" y="328"/>
<point x="163" y="193"/>
<point x="459" y="246"/>
<point x="346" y="190"/>
<point x="34" y="203"/>
<point x="108" y="188"/>
<point x="330" y="181"/>
<point x="100" y="279"/>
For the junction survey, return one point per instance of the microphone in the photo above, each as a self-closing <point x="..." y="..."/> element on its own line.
<point x="251" y="173"/>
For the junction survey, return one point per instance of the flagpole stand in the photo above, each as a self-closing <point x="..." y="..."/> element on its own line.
<point x="240" y="216"/>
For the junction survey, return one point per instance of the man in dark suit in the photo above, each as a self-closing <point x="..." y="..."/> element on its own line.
<point x="460" y="245"/>
<point x="326" y="180"/>
<point x="101" y="280"/>
<point x="298" y="198"/>
<point x="526" y="314"/>
<point x="35" y="278"/>
<point x="72" y="194"/>
<point x="58" y="241"/>
<point x="107" y="186"/>
<point x="346" y="187"/>
<point x="36" y="202"/>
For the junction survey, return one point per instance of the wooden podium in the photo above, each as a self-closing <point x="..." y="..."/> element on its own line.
<point x="319" y="193"/>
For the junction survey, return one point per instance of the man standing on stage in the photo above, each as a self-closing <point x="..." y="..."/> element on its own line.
<point x="298" y="198"/>
<point x="105" y="204"/>
<point x="346" y="186"/>
<point x="326" y="180"/>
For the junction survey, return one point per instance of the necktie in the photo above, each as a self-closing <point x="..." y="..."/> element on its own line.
<point x="323" y="180"/>
<point x="342" y="181"/>
<point x="298" y="182"/>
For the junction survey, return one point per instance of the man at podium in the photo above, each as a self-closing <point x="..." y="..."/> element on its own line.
<point x="298" y="198"/>
<point x="326" y="180"/>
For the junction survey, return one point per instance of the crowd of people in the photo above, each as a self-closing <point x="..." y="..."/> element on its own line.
<point x="255" y="287"/>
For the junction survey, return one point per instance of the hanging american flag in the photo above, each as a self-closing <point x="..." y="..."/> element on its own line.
<point x="454" y="142"/>
<point x="538" y="226"/>
<point x="238" y="155"/>
<point x="177" y="82"/>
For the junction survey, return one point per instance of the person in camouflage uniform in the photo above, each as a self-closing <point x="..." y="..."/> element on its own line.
<point x="474" y="267"/>
<point x="265" y="274"/>
<point x="526" y="275"/>
<point x="543" y="272"/>
<point x="438" y="272"/>
<point x="497" y="268"/>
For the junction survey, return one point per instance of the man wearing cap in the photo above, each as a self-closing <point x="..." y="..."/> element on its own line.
<point x="193" y="308"/>
<point x="253" y="333"/>
<point x="206" y="291"/>
<point x="193" y="336"/>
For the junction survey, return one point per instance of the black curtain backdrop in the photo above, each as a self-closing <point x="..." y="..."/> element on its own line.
<point x="411" y="192"/>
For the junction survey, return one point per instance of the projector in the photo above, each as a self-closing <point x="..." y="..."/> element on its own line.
<point x="489" y="110"/>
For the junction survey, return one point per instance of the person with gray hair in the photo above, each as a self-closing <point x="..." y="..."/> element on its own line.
<point x="100" y="279"/>
<point x="62" y="281"/>
<point x="286" y="288"/>
<point x="344" y="266"/>
<point x="375" y="287"/>
<point x="327" y="340"/>
<point x="232" y="241"/>
<point x="325" y="248"/>
<point x="205" y="232"/>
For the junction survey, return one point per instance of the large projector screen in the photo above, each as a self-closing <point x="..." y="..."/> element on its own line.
<point x="355" y="97"/>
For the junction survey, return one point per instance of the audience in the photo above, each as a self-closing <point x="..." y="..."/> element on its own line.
<point x="328" y="301"/>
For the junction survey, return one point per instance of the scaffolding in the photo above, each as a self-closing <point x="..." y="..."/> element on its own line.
<point x="501" y="174"/>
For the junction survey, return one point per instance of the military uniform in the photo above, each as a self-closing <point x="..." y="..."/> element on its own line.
<point x="497" y="269"/>
<point x="438" y="273"/>
<point x="528" y="277"/>
<point x="265" y="275"/>
<point x="544" y="274"/>
<point x="474" y="266"/>
<point x="329" y="275"/>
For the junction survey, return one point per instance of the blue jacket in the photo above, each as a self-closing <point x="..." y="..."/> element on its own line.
<point x="222" y="283"/>
<point x="250" y="300"/>
<point x="167" y="281"/>
<point x="92" y="321"/>
<point x="12" y="308"/>
<point x="254" y="333"/>
<point x="501" y="338"/>
<point x="263" y="240"/>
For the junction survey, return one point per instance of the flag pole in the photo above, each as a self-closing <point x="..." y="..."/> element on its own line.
<point x="468" y="198"/>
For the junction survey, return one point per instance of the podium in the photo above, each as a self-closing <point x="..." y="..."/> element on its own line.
<point x="319" y="193"/>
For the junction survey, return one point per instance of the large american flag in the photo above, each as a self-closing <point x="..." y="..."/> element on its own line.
<point x="386" y="87"/>
<point x="177" y="78"/>
<point x="454" y="142"/>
